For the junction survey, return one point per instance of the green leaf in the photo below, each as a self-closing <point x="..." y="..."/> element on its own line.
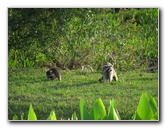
<point x="31" y="113"/>
<point x="74" y="116"/>
<point x="144" y="110"/>
<point x="22" y="116"/>
<point x="112" y="112"/>
<point x="52" y="116"/>
<point x="155" y="116"/>
<point x="15" y="117"/>
<point x="83" y="111"/>
<point x="98" y="111"/>
<point x="147" y="95"/>
<point x="153" y="105"/>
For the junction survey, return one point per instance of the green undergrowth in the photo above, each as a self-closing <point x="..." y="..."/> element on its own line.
<point x="147" y="109"/>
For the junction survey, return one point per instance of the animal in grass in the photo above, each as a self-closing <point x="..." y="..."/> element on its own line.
<point x="54" y="73"/>
<point x="108" y="73"/>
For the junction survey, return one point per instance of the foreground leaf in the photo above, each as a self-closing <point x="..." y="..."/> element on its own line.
<point x="22" y="116"/>
<point x="31" y="113"/>
<point x="74" y="116"/>
<point x="15" y="117"/>
<point x="153" y="105"/>
<point x="112" y="112"/>
<point x="147" y="108"/>
<point x="83" y="111"/>
<point x="52" y="116"/>
<point x="98" y="111"/>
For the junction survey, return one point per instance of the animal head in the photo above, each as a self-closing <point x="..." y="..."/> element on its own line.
<point x="50" y="74"/>
<point x="107" y="67"/>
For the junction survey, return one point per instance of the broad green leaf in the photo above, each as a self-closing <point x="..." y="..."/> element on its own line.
<point x="155" y="116"/>
<point x="31" y="113"/>
<point x="154" y="108"/>
<point x="144" y="111"/>
<point x="112" y="112"/>
<point x="147" y="95"/>
<point x="83" y="111"/>
<point x="52" y="116"/>
<point x="153" y="105"/>
<point x="15" y="117"/>
<point x="98" y="111"/>
<point x="74" y="116"/>
<point x="152" y="102"/>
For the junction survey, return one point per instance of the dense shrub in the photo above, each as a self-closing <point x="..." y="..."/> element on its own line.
<point x="128" y="38"/>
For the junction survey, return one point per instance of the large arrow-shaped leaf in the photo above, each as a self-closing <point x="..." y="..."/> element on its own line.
<point x="98" y="111"/>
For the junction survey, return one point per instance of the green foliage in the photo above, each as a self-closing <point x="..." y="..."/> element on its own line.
<point x="31" y="113"/>
<point x="112" y="112"/>
<point x="74" y="116"/>
<point x="15" y="117"/>
<point x="128" y="36"/>
<point x="98" y="111"/>
<point x="83" y="111"/>
<point x="146" y="110"/>
<point x="52" y="116"/>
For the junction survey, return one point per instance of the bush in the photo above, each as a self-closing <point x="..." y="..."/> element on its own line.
<point x="128" y="38"/>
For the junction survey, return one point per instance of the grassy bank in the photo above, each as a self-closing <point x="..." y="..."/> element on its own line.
<point x="27" y="86"/>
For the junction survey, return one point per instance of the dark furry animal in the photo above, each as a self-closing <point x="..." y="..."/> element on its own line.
<point x="54" y="73"/>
